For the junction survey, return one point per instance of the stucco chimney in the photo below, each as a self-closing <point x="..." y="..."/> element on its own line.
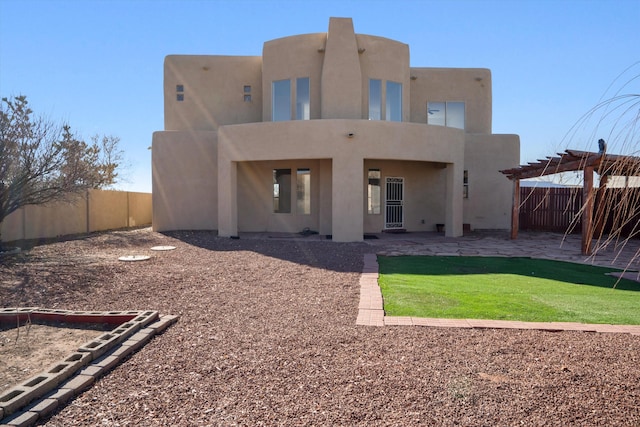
<point x="341" y="84"/>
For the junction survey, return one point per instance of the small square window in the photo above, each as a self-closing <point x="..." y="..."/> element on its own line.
<point x="179" y="88"/>
<point x="247" y="89"/>
<point x="180" y="97"/>
<point x="247" y="98"/>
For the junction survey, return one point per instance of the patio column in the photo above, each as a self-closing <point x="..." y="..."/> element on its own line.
<point x="227" y="198"/>
<point x="453" y="204"/>
<point x="347" y="207"/>
<point x="515" y="210"/>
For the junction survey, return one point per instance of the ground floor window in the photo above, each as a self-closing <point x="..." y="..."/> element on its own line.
<point x="282" y="190"/>
<point x="465" y="183"/>
<point x="303" y="192"/>
<point x="373" y="192"/>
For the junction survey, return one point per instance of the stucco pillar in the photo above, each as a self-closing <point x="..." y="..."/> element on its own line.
<point x="347" y="199"/>
<point x="341" y="81"/>
<point x="453" y="204"/>
<point x="324" y="203"/>
<point x="227" y="198"/>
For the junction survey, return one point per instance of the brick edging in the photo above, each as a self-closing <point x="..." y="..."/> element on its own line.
<point x="371" y="313"/>
<point x="40" y="396"/>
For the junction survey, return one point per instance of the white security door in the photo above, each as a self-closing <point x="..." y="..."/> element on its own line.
<point x="394" y="204"/>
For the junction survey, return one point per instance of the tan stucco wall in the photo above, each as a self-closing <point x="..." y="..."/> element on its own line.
<point x="328" y="139"/>
<point x="490" y="192"/>
<point x="255" y="197"/>
<point x="213" y="91"/>
<point x="209" y="180"/>
<point x="424" y="193"/>
<point x="108" y="210"/>
<point x="290" y="58"/>
<point x="470" y="85"/>
<point x="386" y="60"/>
<point x="13" y="227"/>
<point x="139" y="209"/>
<point x="184" y="180"/>
<point x="57" y="219"/>
<point x="103" y="210"/>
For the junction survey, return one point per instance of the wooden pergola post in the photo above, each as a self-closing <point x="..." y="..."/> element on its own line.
<point x="587" y="211"/>
<point x="601" y="211"/>
<point x="515" y="210"/>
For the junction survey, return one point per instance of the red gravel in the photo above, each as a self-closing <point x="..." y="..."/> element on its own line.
<point x="267" y="336"/>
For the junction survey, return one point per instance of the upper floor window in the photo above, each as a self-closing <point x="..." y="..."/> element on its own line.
<point x="450" y="114"/>
<point x="179" y="92"/>
<point x="281" y="100"/>
<point x="394" y="101"/>
<point x="375" y="99"/>
<point x="303" y="106"/>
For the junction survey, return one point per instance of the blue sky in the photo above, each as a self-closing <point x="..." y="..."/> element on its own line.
<point x="98" y="64"/>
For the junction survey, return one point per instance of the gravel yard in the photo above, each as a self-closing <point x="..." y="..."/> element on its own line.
<point x="267" y="336"/>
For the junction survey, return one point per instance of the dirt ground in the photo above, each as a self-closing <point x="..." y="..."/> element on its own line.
<point x="29" y="349"/>
<point x="267" y="336"/>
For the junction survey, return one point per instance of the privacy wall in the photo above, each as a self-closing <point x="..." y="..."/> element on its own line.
<point x="95" y="210"/>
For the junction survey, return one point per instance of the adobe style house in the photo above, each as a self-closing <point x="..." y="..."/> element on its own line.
<point x="334" y="132"/>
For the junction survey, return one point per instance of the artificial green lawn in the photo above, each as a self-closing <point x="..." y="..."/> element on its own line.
<point x="501" y="288"/>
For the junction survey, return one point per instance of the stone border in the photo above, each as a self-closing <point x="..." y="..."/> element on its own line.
<point x="40" y="396"/>
<point x="371" y="313"/>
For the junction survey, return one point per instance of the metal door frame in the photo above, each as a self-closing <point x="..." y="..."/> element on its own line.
<point x="393" y="203"/>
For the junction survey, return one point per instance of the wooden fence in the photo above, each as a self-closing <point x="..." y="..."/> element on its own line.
<point x="559" y="210"/>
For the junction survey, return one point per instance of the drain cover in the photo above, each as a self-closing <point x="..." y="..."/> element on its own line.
<point x="163" y="248"/>
<point x="134" y="258"/>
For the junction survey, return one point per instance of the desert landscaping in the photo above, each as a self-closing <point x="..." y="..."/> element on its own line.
<point x="267" y="335"/>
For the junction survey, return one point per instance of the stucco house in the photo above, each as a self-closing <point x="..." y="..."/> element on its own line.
<point x="334" y="132"/>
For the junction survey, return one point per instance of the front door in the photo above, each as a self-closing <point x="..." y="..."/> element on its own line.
<point x="394" y="204"/>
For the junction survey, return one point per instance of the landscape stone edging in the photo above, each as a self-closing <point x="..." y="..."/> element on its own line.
<point x="38" y="397"/>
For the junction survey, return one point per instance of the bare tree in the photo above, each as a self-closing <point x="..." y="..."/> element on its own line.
<point x="617" y="118"/>
<point x="42" y="162"/>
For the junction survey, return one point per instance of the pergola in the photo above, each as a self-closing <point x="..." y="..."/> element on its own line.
<point x="603" y="164"/>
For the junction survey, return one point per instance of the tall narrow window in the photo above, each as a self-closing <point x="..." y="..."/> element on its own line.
<point x="373" y="192"/>
<point x="303" y="192"/>
<point x="281" y="100"/>
<point x="394" y="102"/>
<point x="303" y="111"/>
<point x="282" y="190"/>
<point x="375" y="99"/>
<point x="465" y="184"/>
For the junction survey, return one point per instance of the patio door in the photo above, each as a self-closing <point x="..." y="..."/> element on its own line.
<point x="394" y="203"/>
